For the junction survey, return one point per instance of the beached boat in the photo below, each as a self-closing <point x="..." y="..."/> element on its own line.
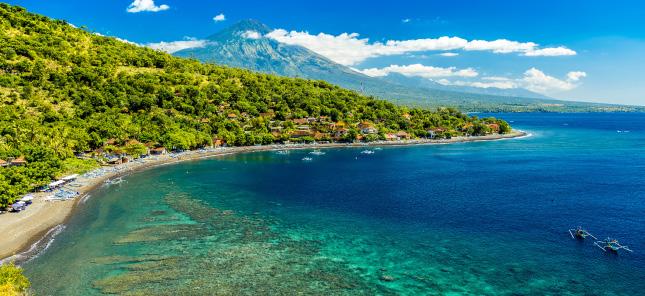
<point x="19" y="206"/>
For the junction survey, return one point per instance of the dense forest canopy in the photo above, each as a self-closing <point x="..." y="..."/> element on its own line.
<point x="65" y="90"/>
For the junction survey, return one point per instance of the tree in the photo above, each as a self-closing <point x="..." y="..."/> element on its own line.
<point x="12" y="281"/>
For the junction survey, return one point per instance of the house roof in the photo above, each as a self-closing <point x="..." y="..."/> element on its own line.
<point x="402" y="134"/>
<point x="20" y="159"/>
<point x="301" y="133"/>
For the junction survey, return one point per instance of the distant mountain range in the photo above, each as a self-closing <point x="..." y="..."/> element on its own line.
<point x="242" y="46"/>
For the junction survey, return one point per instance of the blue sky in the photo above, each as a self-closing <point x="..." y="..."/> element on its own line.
<point x="578" y="50"/>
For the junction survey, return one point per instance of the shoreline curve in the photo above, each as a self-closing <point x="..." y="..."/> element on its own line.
<point x="25" y="230"/>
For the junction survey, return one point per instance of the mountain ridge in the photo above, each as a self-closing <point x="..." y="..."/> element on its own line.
<point x="230" y="47"/>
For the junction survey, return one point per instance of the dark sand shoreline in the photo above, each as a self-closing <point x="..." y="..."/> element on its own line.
<point x="42" y="217"/>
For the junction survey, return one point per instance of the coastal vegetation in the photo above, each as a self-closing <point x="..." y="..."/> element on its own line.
<point x="12" y="281"/>
<point x="71" y="99"/>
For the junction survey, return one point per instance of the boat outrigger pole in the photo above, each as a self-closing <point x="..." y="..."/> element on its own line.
<point x="580" y="233"/>
<point x="611" y="245"/>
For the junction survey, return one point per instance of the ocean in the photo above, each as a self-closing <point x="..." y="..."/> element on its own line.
<point x="481" y="218"/>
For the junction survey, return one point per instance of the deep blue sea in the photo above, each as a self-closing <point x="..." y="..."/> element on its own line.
<point x="483" y="218"/>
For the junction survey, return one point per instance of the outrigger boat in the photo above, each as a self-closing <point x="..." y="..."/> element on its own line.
<point x="580" y="233"/>
<point x="611" y="245"/>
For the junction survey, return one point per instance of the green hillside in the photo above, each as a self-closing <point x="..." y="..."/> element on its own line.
<point x="64" y="90"/>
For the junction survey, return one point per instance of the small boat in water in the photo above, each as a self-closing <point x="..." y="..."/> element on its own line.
<point x="317" y="152"/>
<point x="282" y="152"/>
<point x="580" y="233"/>
<point x="116" y="181"/>
<point x="611" y="246"/>
<point x="367" y="152"/>
<point x="307" y="159"/>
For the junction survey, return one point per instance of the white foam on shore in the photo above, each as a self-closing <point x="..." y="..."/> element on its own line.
<point x="36" y="248"/>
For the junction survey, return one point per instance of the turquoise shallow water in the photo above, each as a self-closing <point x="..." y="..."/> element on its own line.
<point x="486" y="218"/>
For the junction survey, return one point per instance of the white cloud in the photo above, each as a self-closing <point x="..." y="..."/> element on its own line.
<point x="418" y="70"/>
<point x="146" y="5"/>
<point x="252" y="35"/>
<point x="175" y="46"/>
<point x="407" y="20"/>
<point x="126" y="41"/>
<point x="350" y="49"/>
<point x="533" y="79"/>
<point x="449" y="54"/>
<point x="550" y="52"/>
<point x="576" y="75"/>
<point x="219" y="18"/>
<point x="507" y="84"/>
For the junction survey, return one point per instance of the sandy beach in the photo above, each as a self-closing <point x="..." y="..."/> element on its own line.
<point x="22" y="230"/>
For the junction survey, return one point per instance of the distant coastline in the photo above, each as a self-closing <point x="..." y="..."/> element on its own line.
<point x="30" y="231"/>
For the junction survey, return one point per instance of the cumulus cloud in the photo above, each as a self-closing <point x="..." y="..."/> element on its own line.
<point x="419" y="70"/>
<point x="349" y="49"/>
<point x="576" y="75"/>
<point x="251" y="35"/>
<point x="550" y="52"/>
<point x="533" y="79"/>
<point x="501" y="84"/>
<point x="175" y="46"/>
<point x="537" y="81"/>
<point x="449" y="54"/>
<point x="219" y="18"/>
<point x="407" y="20"/>
<point x="146" y="5"/>
<point x="126" y="41"/>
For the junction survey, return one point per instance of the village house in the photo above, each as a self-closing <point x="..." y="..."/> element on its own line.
<point x="218" y="143"/>
<point x="300" y="121"/>
<point x="20" y="161"/>
<point x="391" y="137"/>
<point x="341" y="132"/>
<point x="401" y="135"/>
<point x="494" y="127"/>
<point x="110" y="142"/>
<point x="367" y="128"/>
<point x="3" y="163"/>
<point x="158" y="151"/>
<point x="231" y="116"/>
<point x="435" y="132"/>
<point x="301" y="133"/>
<point x="369" y="131"/>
